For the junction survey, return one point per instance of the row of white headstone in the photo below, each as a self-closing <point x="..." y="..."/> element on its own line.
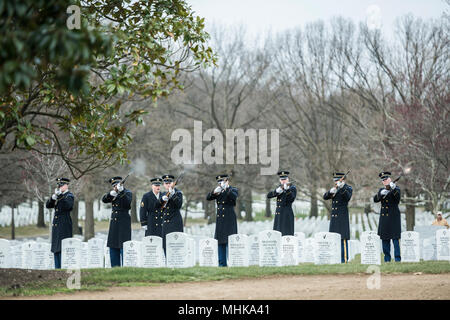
<point x="268" y="248"/>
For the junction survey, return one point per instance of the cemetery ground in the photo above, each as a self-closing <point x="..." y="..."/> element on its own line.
<point x="423" y="280"/>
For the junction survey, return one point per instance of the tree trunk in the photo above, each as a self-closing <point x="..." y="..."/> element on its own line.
<point x="186" y="213"/>
<point x="410" y="217"/>
<point x="134" y="217"/>
<point x="428" y="203"/>
<point x="248" y="204"/>
<point x="239" y="208"/>
<point x="268" y="208"/>
<point x="50" y="221"/>
<point x="327" y="206"/>
<point x="13" y="227"/>
<point x="41" y="221"/>
<point x="410" y="212"/>
<point x="89" y="219"/>
<point x="74" y="216"/>
<point x="205" y="205"/>
<point x="367" y="209"/>
<point x="314" y="211"/>
<point x="210" y="212"/>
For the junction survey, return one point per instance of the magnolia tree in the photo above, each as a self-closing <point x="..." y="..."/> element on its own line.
<point x="78" y="79"/>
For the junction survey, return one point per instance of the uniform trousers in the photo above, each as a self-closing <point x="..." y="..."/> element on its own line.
<point x="387" y="250"/>
<point x="116" y="255"/>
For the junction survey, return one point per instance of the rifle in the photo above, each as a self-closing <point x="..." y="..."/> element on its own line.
<point x="177" y="180"/>
<point x="341" y="179"/>
<point x="123" y="181"/>
<point x="389" y="187"/>
<point x="291" y="182"/>
<point x="227" y="179"/>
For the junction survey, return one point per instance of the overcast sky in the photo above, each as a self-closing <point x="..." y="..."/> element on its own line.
<point x="261" y="15"/>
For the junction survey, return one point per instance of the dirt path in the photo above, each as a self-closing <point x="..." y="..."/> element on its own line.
<point x="399" y="286"/>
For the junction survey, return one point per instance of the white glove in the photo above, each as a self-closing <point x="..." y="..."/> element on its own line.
<point x="333" y="190"/>
<point x="171" y="191"/>
<point x="165" y="198"/>
<point x="54" y="196"/>
<point x="120" y="187"/>
<point x="113" y="193"/>
<point x="144" y="227"/>
<point x="57" y="191"/>
<point x="384" y="192"/>
<point x="286" y="186"/>
<point x="392" y="185"/>
<point x="279" y="190"/>
<point x="218" y="189"/>
<point x="340" y="184"/>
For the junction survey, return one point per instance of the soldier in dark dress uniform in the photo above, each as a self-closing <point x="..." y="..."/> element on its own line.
<point x="389" y="226"/>
<point x="226" y="223"/>
<point x="171" y="204"/>
<point x="120" y="224"/>
<point x="284" y="216"/>
<point x="62" y="201"/>
<point x="151" y="213"/>
<point x="340" y="194"/>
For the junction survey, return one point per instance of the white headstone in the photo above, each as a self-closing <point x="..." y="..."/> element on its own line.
<point x="269" y="248"/>
<point x="238" y="250"/>
<point x="429" y="249"/>
<point x="51" y="260"/>
<point x="5" y="253"/>
<point x="309" y="250"/>
<point x="427" y="232"/>
<point x="325" y="247"/>
<point x="354" y="248"/>
<point x="84" y="255"/>
<point x="71" y="253"/>
<point x="301" y="246"/>
<point x="27" y="254"/>
<point x="132" y="253"/>
<point x="443" y="244"/>
<point x="152" y="252"/>
<point x="337" y="247"/>
<point x="16" y="254"/>
<point x="107" y="257"/>
<point x="177" y="250"/>
<point x="191" y="251"/>
<point x="95" y="256"/>
<point x="289" y="251"/>
<point x="410" y="246"/>
<point x="208" y="253"/>
<point x="253" y="250"/>
<point x="370" y="248"/>
<point x="39" y="256"/>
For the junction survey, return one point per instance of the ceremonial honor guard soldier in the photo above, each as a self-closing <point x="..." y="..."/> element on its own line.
<point x="120" y="224"/>
<point x="340" y="194"/>
<point x="389" y="226"/>
<point x="284" y="216"/>
<point x="151" y="213"/>
<point x="62" y="201"/>
<point x="226" y="223"/>
<point x="171" y="204"/>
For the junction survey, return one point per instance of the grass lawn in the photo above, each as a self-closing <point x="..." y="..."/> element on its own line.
<point x="101" y="279"/>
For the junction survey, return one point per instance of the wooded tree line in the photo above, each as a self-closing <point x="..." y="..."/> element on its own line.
<point x="343" y="97"/>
